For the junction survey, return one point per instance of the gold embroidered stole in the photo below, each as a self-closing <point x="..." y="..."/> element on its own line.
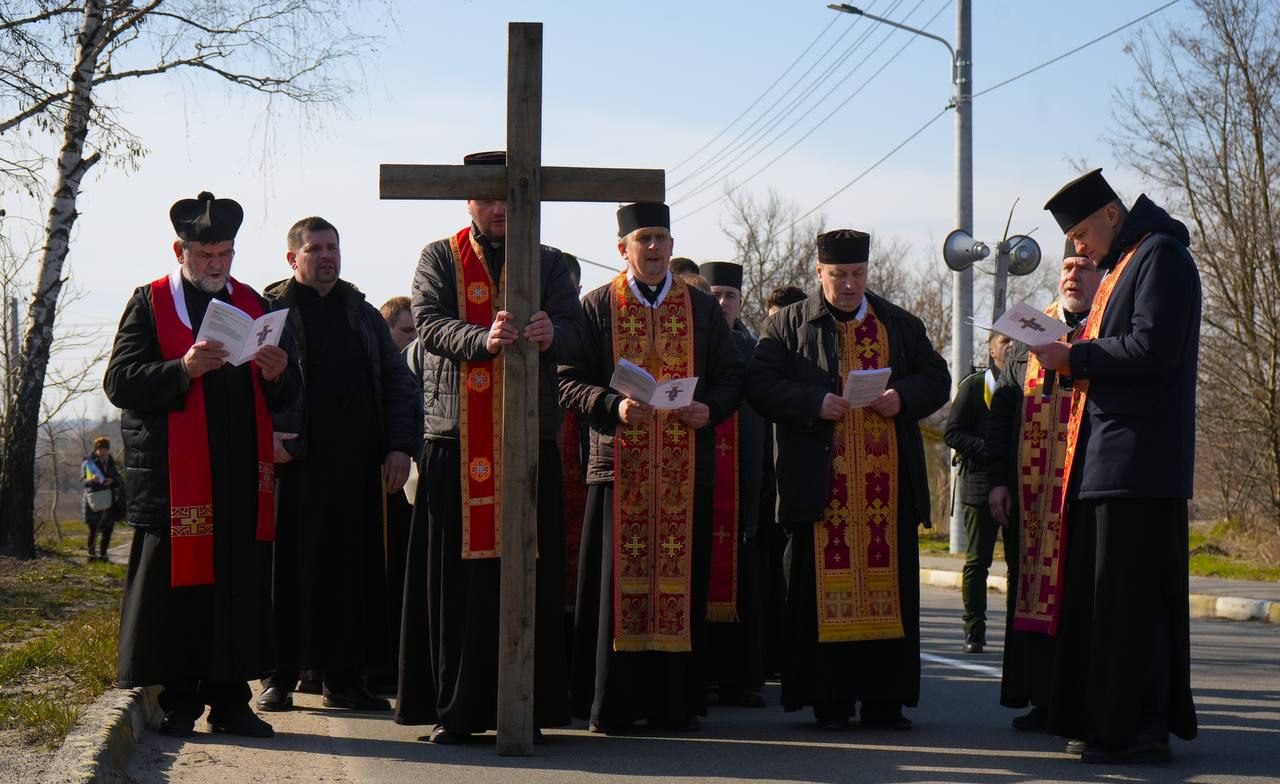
<point x="722" y="590"/>
<point x="1080" y="386"/>
<point x="856" y="542"/>
<point x="653" y="481"/>
<point x="1042" y="454"/>
<point x="479" y="405"/>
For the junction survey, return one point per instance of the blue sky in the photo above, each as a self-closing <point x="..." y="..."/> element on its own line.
<point x="622" y="87"/>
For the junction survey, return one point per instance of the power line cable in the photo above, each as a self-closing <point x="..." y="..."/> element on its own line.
<point x="1079" y="48"/>
<point x="812" y="130"/>
<point x="764" y="116"/>
<point x="735" y="120"/>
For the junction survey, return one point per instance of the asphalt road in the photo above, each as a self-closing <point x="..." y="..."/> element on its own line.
<point x="961" y="734"/>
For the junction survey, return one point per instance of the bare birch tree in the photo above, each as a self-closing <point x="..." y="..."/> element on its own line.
<point x="1201" y="124"/>
<point x="57" y="58"/>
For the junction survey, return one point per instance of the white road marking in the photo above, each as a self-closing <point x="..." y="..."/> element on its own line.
<point x="982" y="669"/>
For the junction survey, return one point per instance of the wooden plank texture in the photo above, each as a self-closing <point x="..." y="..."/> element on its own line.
<point x="559" y="183"/>
<point x="520" y="392"/>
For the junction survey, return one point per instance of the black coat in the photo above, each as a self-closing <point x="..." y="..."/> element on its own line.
<point x="584" y="380"/>
<point x="449" y="341"/>
<point x="796" y="365"/>
<point x="755" y="450"/>
<point x="393" y="387"/>
<point x="966" y="434"/>
<point x="1137" y="438"/>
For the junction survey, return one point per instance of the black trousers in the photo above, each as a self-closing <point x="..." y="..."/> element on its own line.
<point x="186" y="698"/>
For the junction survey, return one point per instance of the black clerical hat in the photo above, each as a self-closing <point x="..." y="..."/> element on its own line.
<point x="844" y="246"/>
<point x="1080" y="198"/>
<point x="206" y="219"/>
<point x="642" y="214"/>
<point x="1069" y="250"/>
<point x="722" y="273"/>
<point x="491" y="157"/>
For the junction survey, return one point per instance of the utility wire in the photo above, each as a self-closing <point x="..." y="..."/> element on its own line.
<point x="735" y="120"/>
<point x="1081" y="47"/>
<point x="765" y="117"/>
<point x="819" y="124"/>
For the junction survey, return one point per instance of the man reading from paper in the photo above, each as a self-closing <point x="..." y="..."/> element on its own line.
<point x="645" y="555"/>
<point x="852" y="488"/>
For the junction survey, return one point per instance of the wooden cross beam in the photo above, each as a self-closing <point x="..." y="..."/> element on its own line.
<point x="525" y="184"/>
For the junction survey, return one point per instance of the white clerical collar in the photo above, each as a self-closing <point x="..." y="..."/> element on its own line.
<point x="180" y="299"/>
<point x="662" y="290"/>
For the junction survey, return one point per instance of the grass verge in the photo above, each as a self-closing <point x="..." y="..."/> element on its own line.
<point x="59" y="617"/>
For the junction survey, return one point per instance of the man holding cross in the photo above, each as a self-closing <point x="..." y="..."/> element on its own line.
<point x="449" y="636"/>
<point x="344" y="445"/>
<point x="852" y="488"/>
<point x="646" y="543"/>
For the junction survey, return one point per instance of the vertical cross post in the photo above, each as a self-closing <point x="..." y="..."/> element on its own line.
<point x="520" y="392"/>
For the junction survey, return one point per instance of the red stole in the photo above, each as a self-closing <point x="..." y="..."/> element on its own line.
<point x="722" y="592"/>
<point x="575" y="501"/>
<point x="190" y="476"/>
<point x="653" y="481"/>
<point x="479" y="406"/>
<point x="1042" y="537"/>
<point x="856" y="541"/>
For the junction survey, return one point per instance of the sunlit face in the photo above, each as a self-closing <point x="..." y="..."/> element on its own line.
<point x="999" y="349"/>
<point x="1077" y="283"/>
<point x="730" y="300"/>
<point x="843" y="285"/>
<point x="647" y="252"/>
<point x="402" y="330"/>
<point x="318" y="261"/>
<point x="206" y="265"/>
<point x="490" y="216"/>
<point x="1093" y="235"/>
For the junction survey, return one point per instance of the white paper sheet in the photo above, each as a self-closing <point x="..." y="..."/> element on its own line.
<point x="639" y="384"/>
<point x="861" y="387"/>
<point x="1029" y="325"/>
<point x="240" y="335"/>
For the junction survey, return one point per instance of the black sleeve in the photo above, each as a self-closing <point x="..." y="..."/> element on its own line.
<point x="926" y="388"/>
<point x="137" y="377"/>
<point x="585" y="372"/>
<point x="771" y="390"/>
<point x="722" y="391"/>
<point x="435" y="309"/>
<point x="1002" y="422"/>
<point x="560" y="303"/>
<point x="398" y="389"/>
<point x="961" y="431"/>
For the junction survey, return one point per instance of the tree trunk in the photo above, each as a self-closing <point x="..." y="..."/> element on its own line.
<point x="17" y="475"/>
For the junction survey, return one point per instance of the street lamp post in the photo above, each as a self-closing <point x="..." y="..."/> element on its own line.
<point x="961" y="281"/>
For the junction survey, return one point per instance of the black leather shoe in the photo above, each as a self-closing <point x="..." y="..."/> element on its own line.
<point x="176" y="726"/>
<point x="355" y="698"/>
<point x="690" y="724"/>
<point x="275" y="698"/>
<point x="1035" y="721"/>
<point x="833" y="725"/>
<point x="445" y="737"/>
<point x="1076" y="747"/>
<point x="245" y="724"/>
<point x="1137" y="754"/>
<point x="886" y="721"/>
<point x="749" y="698"/>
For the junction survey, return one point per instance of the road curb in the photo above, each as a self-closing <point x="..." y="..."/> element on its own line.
<point x="96" y="750"/>
<point x="1203" y="605"/>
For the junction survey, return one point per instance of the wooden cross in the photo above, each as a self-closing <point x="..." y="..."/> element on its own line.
<point x="525" y="183"/>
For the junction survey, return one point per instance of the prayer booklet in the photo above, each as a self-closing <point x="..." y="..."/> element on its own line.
<point x="864" y="386"/>
<point x="1029" y="325"/>
<point x="639" y="384"/>
<point x="239" y="333"/>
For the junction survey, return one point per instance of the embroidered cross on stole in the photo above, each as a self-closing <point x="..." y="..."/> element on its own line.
<point x="1042" y="537"/>
<point x="653" y="481"/>
<point x="726" y="528"/>
<point x="479" y="405"/>
<point x="856" y="542"/>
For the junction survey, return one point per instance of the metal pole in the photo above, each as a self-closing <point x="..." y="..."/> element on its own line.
<point x="962" y="282"/>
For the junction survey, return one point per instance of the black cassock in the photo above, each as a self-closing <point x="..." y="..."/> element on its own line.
<point x="449" y="639"/>
<point x="330" y="575"/>
<point x="208" y="633"/>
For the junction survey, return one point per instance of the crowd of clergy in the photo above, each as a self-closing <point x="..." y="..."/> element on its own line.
<point x="327" y="514"/>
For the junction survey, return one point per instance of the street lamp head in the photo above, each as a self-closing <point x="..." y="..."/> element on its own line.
<point x="845" y="8"/>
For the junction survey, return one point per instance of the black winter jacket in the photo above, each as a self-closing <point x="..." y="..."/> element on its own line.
<point x="448" y="341"/>
<point x="966" y="433"/>
<point x="389" y="377"/>
<point x="796" y="365"/>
